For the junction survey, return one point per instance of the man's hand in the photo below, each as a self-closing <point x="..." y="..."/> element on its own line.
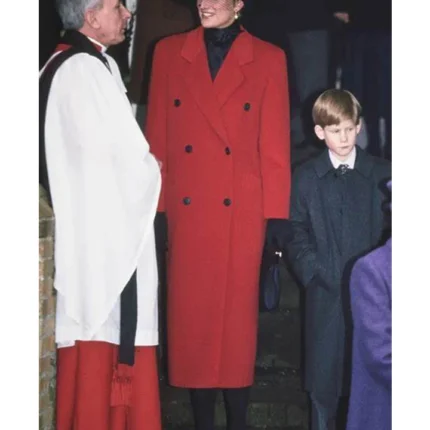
<point x="160" y="164"/>
<point x="342" y="16"/>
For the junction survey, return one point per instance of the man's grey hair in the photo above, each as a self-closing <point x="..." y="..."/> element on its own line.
<point x="72" y="12"/>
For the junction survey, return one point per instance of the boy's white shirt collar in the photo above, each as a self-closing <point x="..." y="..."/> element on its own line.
<point x="350" y="161"/>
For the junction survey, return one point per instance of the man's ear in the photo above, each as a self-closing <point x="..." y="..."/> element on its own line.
<point x="91" y="18"/>
<point x="319" y="131"/>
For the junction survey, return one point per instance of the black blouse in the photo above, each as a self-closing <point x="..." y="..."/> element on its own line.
<point x="218" y="42"/>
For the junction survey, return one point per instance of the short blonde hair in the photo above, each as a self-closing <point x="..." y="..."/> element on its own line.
<point x="334" y="106"/>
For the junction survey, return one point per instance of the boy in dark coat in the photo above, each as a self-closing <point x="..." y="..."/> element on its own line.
<point x="336" y="216"/>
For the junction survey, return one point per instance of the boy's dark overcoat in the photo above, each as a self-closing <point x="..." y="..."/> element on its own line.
<point x="336" y="219"/>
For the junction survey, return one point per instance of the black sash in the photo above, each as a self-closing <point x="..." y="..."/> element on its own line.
<point x="81" y="44"/>
<point x="78" y="44"/>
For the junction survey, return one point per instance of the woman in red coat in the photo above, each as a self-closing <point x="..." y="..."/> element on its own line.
<point x="218" y="120"/>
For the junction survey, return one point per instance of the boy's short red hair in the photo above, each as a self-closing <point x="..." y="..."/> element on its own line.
<point x="334" y="106"/>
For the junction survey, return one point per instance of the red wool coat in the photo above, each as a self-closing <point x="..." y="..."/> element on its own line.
<point x="225" y="150"/>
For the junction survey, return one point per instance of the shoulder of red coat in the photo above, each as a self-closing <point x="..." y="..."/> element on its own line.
<point x="267" y="47"/>
<point x="174" y="40"/>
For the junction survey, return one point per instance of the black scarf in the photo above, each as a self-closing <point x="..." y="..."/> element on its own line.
<point x="79" y="43"/>
<point x="218" y="42"/>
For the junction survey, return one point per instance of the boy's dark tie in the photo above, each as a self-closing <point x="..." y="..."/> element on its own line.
<point x="342" y="169"/>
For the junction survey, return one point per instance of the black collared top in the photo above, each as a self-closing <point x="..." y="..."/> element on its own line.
<point x="218" y="42"/>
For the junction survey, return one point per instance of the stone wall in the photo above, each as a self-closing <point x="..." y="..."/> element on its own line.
<point x="47" y="355"/>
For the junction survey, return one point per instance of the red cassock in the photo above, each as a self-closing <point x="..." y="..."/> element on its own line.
<point x="85" y="398"/>
<point x="225" y="149"/>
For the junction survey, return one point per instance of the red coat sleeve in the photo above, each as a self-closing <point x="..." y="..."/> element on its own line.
<point x="275" y="141"/>
<point x="156" y="120"/>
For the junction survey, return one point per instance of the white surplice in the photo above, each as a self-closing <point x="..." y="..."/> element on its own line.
<point x="105" y="186"/>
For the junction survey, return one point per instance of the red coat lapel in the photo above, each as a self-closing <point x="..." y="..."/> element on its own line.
<point x="231" y="76"/>
<point x="211" y="96"/>
<point x="197" y="76"/>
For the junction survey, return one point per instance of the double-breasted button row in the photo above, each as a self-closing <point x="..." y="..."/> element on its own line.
<point x="246" y="106"/>
<point x="189" y="149"/>
<point x="187" y="201"/>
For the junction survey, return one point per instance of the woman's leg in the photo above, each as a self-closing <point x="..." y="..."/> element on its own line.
<point x="236" y="404"/>
<point x="203" y="404"/>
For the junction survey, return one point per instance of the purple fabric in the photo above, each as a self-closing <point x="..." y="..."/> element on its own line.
<point x="370" y="401"/>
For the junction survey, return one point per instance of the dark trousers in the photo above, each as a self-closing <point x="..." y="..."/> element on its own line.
<point x="323" y="412"/>
<point x="203" y="404"/>
<point x="367" y="74"/>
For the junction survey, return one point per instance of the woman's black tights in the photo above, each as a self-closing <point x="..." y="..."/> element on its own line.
<point x="236" y="405"/>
